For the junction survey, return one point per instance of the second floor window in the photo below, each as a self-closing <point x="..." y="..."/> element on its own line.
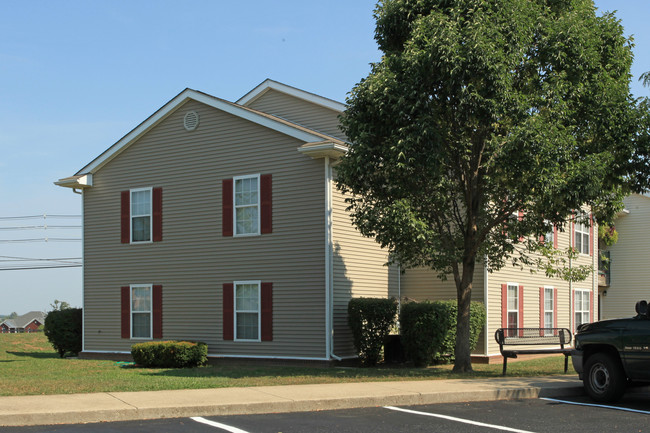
<point x="246" y="205"/>
<point x="582" y="235"/>
<point x="141" y="215"/>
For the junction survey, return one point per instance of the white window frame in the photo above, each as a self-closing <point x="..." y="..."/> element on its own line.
<point x="549" y="234"/>
<point x="582" y="311"/>
<point x="547" y="290"/>
<point x="508" y="310"/>
<point x="583" y="230"/>
<point x="258" y="311"/>
<point x="235" y="206"/>
<point x="131" y="216"/>
<point x="150" y="312"/>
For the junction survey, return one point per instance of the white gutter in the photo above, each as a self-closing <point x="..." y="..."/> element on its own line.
<point x="328" y="259"/>
<point x="485" y="300"/>
<point x="83" y="276"/>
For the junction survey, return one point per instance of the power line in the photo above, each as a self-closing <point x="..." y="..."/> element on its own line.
<point x="43" y="216"/>
<point x="29" y="260"/>
<point x="44" y="227"/>
<point x="12" y="241"/>
<point x="40" y="267"/>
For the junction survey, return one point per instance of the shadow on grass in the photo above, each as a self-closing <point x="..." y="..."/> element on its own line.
<point x="377" y="373"/>
<point x="36" y="355"/>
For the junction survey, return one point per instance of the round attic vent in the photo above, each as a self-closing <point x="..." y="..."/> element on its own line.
<point x="191" y="120"/>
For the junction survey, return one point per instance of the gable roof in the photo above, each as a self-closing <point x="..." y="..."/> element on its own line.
<point x="24" y="320"/>
<point x="269" y="84"/>
<point x="267" y="120"/>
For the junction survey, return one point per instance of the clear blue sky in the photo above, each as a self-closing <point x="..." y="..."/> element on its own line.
<point x="75" y="76"/>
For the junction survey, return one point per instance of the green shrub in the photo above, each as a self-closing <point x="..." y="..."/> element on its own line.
<point x="63" y="329"/>
<point x="370" y="320"/>
<point x="477" y="319"/>
<point x="428" y="329"/>
<point x="170" y="354"/>
<point x="423" y="326"/>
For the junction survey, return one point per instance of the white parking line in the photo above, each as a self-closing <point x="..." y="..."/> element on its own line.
<point x="597" y="405"/>
<point x="225" y="427"/>
<point x="451" y="418"/>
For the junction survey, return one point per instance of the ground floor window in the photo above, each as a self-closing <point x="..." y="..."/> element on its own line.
<point x="549" y="307"/>
<point x="141" y="312"/>
<point x="247" y="310"/>
<point x="581" y="306"/>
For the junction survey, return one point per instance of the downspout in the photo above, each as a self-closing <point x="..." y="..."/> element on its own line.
<point x="487" y="303"/>
<point x="83" y="273"/>
<point x="328" y="259"/>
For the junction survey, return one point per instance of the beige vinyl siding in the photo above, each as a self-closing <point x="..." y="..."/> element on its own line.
<point x="421" y="284"/>
<point x="630" y="257"/>
<point x="299" y="111"/>
<point x="359" y="271"/>
<point x="194" y="261"/>
<point x="532" y="283"/>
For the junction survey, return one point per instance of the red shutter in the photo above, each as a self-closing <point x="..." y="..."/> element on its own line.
<point x="266" y="208"/>
<point x="267" y="311"/>
<point x="157" y="311"/>
<point x="228" y="311"/>
<point x="504" y="305"/>
<point x="226" y="208"/>
<point x="591" y="235"/>
<point x="521" y="310"/>
<point x="541" y="308"/>
<point x="157" y="214"/>
<point x="126" y="311"/>
<point x="520" y="217"/>
<point x="591" y="306"/>
<point x="554" y="236"/>
<point x="125" y="217"/>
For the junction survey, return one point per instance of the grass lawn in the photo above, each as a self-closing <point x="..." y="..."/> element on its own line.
<point x="29" y="365"/>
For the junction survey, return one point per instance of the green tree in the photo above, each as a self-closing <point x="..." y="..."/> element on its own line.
<point x="484" y="124"/>
<point x="12" y="315"/>
<point x="59" y="305"/>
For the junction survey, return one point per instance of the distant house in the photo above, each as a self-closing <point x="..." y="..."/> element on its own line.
<point x="26" y="323"/>
<point x="626" y="278"/>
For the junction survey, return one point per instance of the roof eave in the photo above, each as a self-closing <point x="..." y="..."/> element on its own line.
<point x="322" y="149"/>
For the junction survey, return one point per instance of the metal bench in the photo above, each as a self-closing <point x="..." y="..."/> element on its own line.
<point x="533" y="337"/>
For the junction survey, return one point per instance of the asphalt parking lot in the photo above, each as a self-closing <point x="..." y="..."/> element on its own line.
<point x="530" y="415"/>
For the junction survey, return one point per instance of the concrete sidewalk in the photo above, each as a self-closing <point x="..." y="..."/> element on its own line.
<point x="122" y="406"/>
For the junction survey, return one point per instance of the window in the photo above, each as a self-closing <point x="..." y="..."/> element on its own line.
<point x="581" y="306"/>
<point x="513" y="306"/>
<point x="582" y="234"/>
<point x="549" y="237"/>
<point x="549" y="307"/>
<point x="247" y="310"/>
<point x="141" y="215"/>
<point x="141" y="312"/>
<point x="246" y="205"/>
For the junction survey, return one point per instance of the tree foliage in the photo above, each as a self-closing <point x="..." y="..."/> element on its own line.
<point x="485" y="123"/>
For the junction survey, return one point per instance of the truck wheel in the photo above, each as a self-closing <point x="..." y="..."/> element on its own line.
<point x="604" y="379"/>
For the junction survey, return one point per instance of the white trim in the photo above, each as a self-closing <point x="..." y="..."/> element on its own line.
<point x="259" y="310"/>
<point x="150" y="287"/>
<point x="234" y="205"/>
<point x="174" y="104"/>
<point x="329" y="289"/>
<point x="582" y="311"/>
<point x="486" y="300"/>
<point x="131" y="191"/>
<point x="83" y="272"/>
<point x="268" y="84"/>
<point x="299" y="358"/>
<point x="583" y="233"/>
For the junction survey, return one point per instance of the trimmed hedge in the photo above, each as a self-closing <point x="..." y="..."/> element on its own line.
<point x="428" y="329"/>
<point x="370" y="320"/>
<point x="63" y="329"/>
<point x="170" y="354"/>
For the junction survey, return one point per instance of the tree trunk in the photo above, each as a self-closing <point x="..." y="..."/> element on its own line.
<point x="463" y="361"/>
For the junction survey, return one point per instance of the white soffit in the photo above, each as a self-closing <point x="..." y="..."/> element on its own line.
<point x="177" y="102"/>
<point x="293" y="91"/>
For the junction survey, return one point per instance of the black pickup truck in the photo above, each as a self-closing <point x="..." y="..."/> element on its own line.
<point x="610" y="353"/>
